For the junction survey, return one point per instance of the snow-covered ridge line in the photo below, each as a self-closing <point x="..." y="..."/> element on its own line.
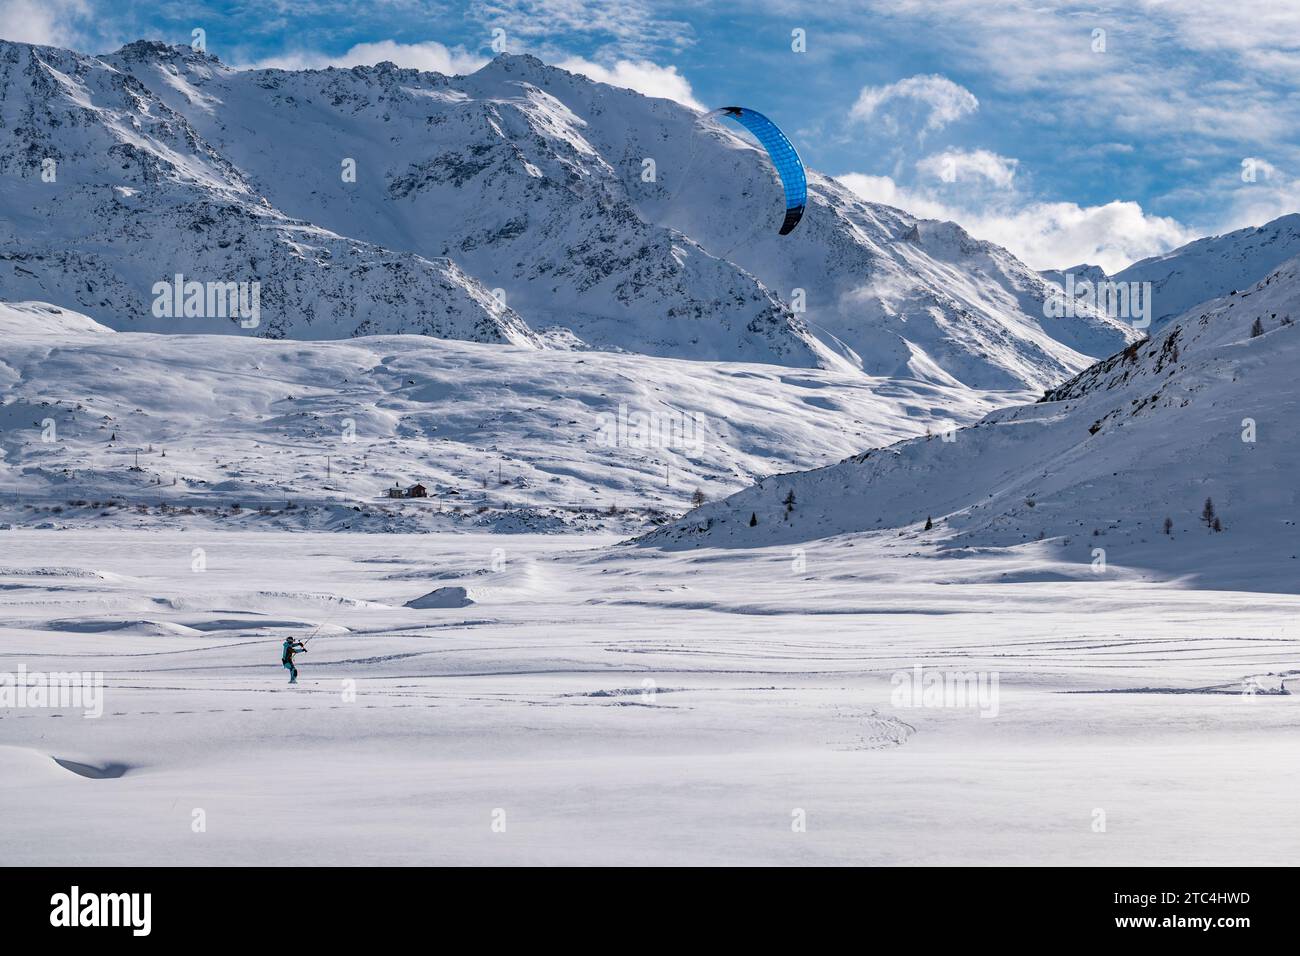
<point x="1205" y="409"/>
<point x="1201" y="270"/>
<point x="510" y="205"/>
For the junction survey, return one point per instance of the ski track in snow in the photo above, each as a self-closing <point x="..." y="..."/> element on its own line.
<point x="1114" y="693"/>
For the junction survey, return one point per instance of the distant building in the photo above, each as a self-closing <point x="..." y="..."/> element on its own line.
<point x="415" y="491"/>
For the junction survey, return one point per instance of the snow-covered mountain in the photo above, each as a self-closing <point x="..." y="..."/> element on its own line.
<point x="105" y="190"/>
<point x="520" y="204"/>
<point x="205" y="422"/>
<point x="1205" y="409"/>
<point x="1082" y="272"/>
<point x="1203" y="269"/>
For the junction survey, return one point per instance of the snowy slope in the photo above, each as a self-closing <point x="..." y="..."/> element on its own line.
<point x="213" y="421"/>
<point x="41" y="319"/>
<point x="527" y="178"/>
<point x="1100" y="462"/>
<point x="506" y="184"/>
<point x="881" y="290"/>
<point x="1214" y="266"/>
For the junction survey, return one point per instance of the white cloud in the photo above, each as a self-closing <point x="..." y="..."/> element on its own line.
<point x="1261" y="32"/>
<point x="1259" y="168"/>
<point x="883" y="189"/>
<point x="640" y="75"/>
<point x="1045" y="235"/>
<point x="944" y="100"/>
<point x="430" y="56"/>
<point x="1106" y="149"/>
<point x="1061" y="234"/>
<point x="629" y="28"/>
<point x="959" y="165"/>
<point x="46" y="22"/>
<point x="1186" y="70"/>
<point x="1272" y="194"/>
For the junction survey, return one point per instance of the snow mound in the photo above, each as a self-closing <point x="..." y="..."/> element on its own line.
<point x="141" y="628"/>
<point x="445" y="597"/>
<point x="43" y="319"/>
<point x="19" y="764"/>
<point x="107" y="771"/>
<point x="26" y="763"/>
<point x="45" y="571"/>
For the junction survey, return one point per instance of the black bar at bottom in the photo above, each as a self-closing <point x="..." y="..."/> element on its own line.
<point x="336" y="906"/>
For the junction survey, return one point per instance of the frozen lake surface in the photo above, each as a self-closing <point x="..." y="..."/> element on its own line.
<point x="591" y="703"/>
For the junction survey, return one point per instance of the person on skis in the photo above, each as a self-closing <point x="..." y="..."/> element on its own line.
<point x="292" y="647"/>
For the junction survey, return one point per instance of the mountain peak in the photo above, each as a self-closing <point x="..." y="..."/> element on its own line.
<point x="292" y="179"/>
<point x="157" y="50"/>
<point x="524" y="64"/>
<point x="1289" y="221"/>
<point x="1212" y="266"/>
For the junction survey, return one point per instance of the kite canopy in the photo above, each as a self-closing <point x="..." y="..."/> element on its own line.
<point x="783" y="155"/>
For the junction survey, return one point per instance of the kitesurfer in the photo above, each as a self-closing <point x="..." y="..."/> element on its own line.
<point x="292" y="647"/>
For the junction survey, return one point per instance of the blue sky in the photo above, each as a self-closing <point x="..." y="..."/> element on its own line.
<point x="1068" y="132"/>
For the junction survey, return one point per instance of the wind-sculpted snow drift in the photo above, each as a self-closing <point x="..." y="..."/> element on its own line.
<point x="521" y="204"/>
<point x="1205" y="409"/>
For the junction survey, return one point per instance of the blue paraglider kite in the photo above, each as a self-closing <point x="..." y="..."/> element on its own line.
<point x="784" y="158"/>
